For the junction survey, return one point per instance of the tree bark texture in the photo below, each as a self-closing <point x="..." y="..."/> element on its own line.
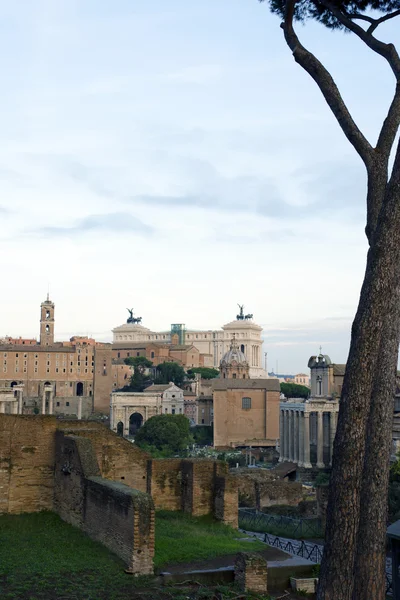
<point x="356" y="517"/>
<point x="353" y="565"/>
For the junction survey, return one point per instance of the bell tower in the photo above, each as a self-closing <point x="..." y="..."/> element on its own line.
<point x="47" y="322"/>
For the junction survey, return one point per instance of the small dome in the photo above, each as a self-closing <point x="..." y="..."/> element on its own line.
<point x="234" y="356"/>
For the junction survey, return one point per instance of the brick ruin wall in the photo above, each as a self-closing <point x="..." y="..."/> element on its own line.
<point x="256" y="491"/>
<point x="27" y="447"/>
<point x="164" y="483"/>
<point x="27" y="458"/>
<point x="110" y="512"/>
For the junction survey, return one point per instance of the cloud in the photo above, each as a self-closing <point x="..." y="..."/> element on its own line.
<point x="112" y="222"/>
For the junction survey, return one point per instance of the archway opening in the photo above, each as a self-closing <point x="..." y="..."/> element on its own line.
<point x="120" y="428"/>
<point x="79" y="388"/>
<point x="135" y="423"/>
<point x="13" y="383"/>
<point x="242" y="348"/>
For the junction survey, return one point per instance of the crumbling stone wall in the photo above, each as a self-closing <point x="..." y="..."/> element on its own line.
<point x="118" y="459"/>
<point x="164" y="483"/>
<point x="251" y="573"/>
<point x="196" y="486"/>
<point x="28" y="455"/>
<point x="26" y="463"/>
<point x="110" y="512"/>
<point x="260" y="489"/>
<point x="226" y="500"/>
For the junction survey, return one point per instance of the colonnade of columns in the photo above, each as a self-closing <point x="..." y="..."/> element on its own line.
<point x="255" y="356"/>
<point x="13" y="399"/>
<point x="295" y="440"/>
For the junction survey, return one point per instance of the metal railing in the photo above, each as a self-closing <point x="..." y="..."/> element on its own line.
<point x="255" y="520"/>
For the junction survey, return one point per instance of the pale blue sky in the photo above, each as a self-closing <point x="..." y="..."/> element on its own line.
<point x="171" y="156"/>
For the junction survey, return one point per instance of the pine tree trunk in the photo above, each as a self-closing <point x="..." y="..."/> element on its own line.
<point x="370" y="578"/>
<point x="356" y="516"/>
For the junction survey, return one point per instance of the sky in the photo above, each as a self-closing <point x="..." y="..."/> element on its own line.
<point x="171" y="156"/>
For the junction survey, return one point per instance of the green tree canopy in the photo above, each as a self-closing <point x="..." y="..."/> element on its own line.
<point x="293" y="390"/>
<point x="141" y="363"/>
<point x="139" y="380"/>
<point x="168" y="433"/>
<point x="205" y="372"/>
<point x="170" y="371"/>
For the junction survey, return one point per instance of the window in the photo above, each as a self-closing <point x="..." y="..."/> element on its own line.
<point x="128" y="354"/>
<point x="180" y="410"/>
<point x="56" y="369"/>
<point x="25" y="369"/>
<point x="36" y="370"/>
<point x="47" y="370"/>
<point x="246" y="403"/>
<point x="173" y="411"/>
<point x="166" y="410"/>
<point x="152" y="355"/>
<point x="67" y="404"/>
<point x="16" y="356"/>
<point x="244" y="376"/>
<point x="25" y="356"/>
<point x="234" y="376"/>
<point x="57" y="403"/>
<point x="119" y="354"/>
<point x="202" y="421"/>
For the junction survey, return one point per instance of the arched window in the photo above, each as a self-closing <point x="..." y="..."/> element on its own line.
<point x="120" y="428"/>
<point x="79" y="388"/>
<point x="242" y="348"/>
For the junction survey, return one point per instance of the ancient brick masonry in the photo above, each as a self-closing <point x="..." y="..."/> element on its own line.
<point x="251" y="573"/>
<point x="26" y="463"/>
<point x="110" y="512"/>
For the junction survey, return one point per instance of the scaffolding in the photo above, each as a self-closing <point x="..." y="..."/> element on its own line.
<point x="179" y="330"/>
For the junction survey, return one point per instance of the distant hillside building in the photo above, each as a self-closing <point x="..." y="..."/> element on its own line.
<point x="210" y="344"/>
<point x="129" y="410"/>
<point x="74" y="377"/>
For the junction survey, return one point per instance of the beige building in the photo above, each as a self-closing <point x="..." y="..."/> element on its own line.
<point x="246" y="411"/>
<point x="129" y="410"/>
<point x="57" y="377"/>
<point x="302" y="379"/>
<point x="211" y="344"/>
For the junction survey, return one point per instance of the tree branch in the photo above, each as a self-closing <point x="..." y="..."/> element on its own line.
<point x="388" y="51"/>
<point x="376" y="22"/>
<point x="328" y="87"/>
<point x="390" y="126"/>
<point x="361" y="17"/>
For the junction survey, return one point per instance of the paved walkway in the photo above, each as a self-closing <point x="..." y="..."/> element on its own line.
<point x="308" y="550"/>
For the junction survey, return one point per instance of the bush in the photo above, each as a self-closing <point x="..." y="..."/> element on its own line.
<point x="165" y="433"/>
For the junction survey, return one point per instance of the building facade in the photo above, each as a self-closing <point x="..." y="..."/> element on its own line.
<point x="67" y="374"/>
<point x="308" y="427"/>
<point x="211" y="344"/>
<point x="129" y="410"/>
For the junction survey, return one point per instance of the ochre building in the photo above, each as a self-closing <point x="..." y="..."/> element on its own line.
<point x="57" y="377"/>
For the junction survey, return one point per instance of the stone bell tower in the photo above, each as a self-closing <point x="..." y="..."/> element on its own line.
<point x="47" y="322"/>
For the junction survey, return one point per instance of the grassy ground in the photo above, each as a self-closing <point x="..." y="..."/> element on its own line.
<point x="180" y="538"/>
<point x="43" y="558"/>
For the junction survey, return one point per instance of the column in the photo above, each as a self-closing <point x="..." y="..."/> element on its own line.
<point x="286" y="430"/>
<point x="2" y="407"/>
<point x="281" y="435"/>
<point x="301" y="439"/>
<point x="296" y="435"/>
<point x="291" y="436"/>
<point x="126" y="422"/>
<point x="79" y="408"/>
<point x="20" y="402"/>
<point x="51" y="401"/>
<point x="15" y="407"/>
<point x="44" y="401"/>
<point x="307" y="464"/>
<point x="145" y="414"/>
<point x="320" y="440"/>
<point x="332" y="433"/>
